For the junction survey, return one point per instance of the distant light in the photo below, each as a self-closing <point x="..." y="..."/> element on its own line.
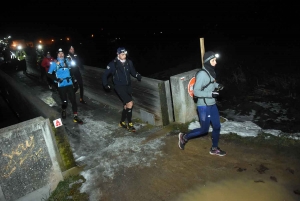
<point x="61" y="39"/>
<point x="92" y="35"/>
<point x="52" y="40"/>
<point x="161" y="32"/>
<point x="68" y="38"/>
<point x="40" y="41"/>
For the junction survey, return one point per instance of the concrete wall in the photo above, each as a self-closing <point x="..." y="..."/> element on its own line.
<point x="152" y="101"/>
<point x="156" y="102"/>
<point x="183" y="103"/>
<point x="29" y="161"/>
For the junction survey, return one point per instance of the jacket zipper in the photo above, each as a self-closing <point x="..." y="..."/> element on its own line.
<point x="125" y="75"/>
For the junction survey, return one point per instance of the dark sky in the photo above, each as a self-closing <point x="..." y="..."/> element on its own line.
<point x="263" y="18"/>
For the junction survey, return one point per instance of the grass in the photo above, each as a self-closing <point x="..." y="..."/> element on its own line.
<point x="69" y="189"/>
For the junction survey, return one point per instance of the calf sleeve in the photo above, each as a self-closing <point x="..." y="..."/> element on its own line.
<point x="129" y="114"/>
<point x="124" y="114"/>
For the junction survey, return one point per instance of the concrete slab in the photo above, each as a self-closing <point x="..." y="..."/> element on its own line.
<point x="28" y="161"/>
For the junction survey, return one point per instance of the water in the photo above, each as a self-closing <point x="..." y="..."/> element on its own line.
<point x="240" y="190"/>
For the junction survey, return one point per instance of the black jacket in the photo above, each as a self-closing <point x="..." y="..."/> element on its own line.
<point x="121" y="72"/>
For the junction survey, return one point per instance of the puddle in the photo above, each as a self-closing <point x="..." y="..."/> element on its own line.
<point x="244" y="190"/>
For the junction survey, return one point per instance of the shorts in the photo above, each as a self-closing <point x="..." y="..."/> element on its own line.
<point x="124" y="93"/>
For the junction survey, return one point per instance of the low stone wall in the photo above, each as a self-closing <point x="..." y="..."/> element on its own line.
<point x="29" y="161"/>
<point x="152" y="98"/>
<point x="184" y="107"/>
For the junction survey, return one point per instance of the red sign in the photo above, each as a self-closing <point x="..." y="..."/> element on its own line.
<point x="191" y="86"/>
<point x="57" y="123"/>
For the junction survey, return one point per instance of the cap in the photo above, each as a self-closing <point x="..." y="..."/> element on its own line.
<point x="208" y="56"/>
<point x="121" y="50"/>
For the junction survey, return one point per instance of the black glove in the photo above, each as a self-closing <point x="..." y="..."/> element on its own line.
<point x="214" y="94"/>
<point x="107" y="87"/>
<point x="220" y="87"/>
<point x="59" y="80"/>
<point x="138" y="77"/>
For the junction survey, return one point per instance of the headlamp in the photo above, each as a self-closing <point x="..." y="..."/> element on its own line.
<point x="73" y="63"/>
<point x="123" y="52"/>
<point x="211" y="57"/>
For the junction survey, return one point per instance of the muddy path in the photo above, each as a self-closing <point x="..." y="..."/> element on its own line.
<point x="261" y="172"/>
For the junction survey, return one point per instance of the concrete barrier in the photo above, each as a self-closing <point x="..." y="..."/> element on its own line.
<point x="152" y="97"/>
<point x="184" y="106"/>
<point x="29" y="161"/>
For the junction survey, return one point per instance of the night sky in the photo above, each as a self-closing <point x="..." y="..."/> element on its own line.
<point x="251" y="18"/>
<point x="140" y="24"/>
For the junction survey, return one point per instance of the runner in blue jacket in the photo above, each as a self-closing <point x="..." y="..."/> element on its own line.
<point x="59" y="71"/>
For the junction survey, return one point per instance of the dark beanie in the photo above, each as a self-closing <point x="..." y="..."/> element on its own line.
<point x="208" y="56"/>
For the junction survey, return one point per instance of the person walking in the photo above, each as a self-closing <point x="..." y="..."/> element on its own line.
<point x="60" y="72"/>
<point x="122" y="69"/>
<point x="208" y="112"/>
<point x="76" y="66"/>
<point x="47" y="60"/>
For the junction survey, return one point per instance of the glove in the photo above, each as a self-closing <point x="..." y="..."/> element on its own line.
<point x="138" y="77"/>
<point x="214" y="94"/>
<point x="59" y="80"/>
<point x="107" y="87"/>
<point x="220" y="87"/>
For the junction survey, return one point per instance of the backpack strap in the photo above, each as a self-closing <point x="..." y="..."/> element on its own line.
<point x="195" y="98"/>
<point x="60" y="66"/>
<point x="207" y="75"/>
<point x="210" y="82"/>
